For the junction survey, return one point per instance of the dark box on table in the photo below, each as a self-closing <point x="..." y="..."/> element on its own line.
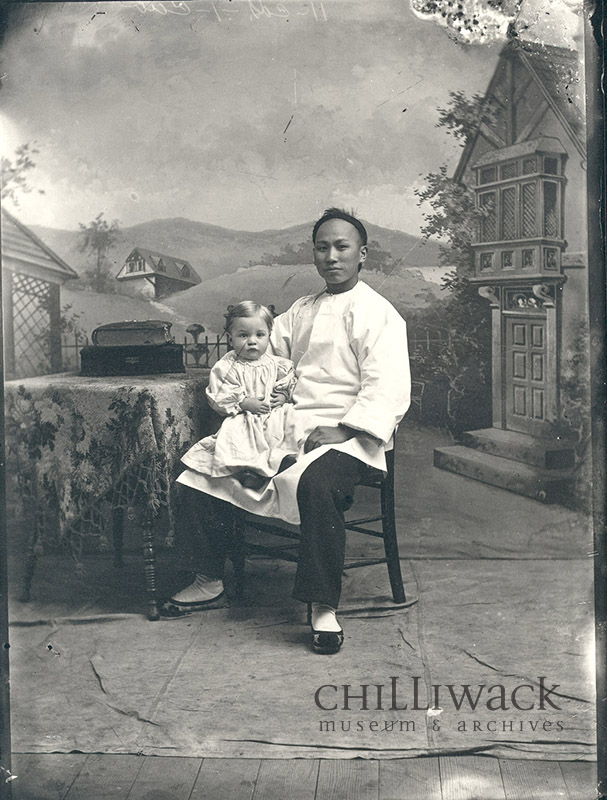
<point x="132" y="348"/>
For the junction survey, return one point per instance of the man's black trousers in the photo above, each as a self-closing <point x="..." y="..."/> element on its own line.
<point x="325" y="491"/>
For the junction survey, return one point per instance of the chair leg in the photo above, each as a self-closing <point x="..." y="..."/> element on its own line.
<point x="390" y="540"/>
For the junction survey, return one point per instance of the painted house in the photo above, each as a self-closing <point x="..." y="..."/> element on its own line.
<point x="150" y="275"/>
<point x="32" y="276"/>
<point x="528" y="170"/>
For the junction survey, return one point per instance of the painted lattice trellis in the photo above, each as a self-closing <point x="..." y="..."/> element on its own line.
<point x="32" y="275"/>
<point x="33" y="329"/>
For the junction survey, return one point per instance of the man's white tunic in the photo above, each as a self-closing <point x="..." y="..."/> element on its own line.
<point x="352" y="366"/>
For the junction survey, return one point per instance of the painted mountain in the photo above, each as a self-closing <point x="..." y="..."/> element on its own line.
<point x="215" y="251"/>
<point x="281" y="285"/>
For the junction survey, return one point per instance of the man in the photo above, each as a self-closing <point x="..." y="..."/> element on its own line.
<point x="349" y="347"/>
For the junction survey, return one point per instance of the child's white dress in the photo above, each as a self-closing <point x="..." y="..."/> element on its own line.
<point x="246" y="440"/>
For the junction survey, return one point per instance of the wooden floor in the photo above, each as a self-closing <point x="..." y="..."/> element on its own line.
<point x="122" y="777"/>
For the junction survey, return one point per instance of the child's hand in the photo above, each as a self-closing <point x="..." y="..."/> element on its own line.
<point x="255" y="405"/>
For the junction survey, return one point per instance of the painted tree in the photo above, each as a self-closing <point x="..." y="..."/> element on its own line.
<point x="15" y="173"/>
<point x="464" y="362"/>
<point x="378" y="258"/>
<point x="97" y="239"/>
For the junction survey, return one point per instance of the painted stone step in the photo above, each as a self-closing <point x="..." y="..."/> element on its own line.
<point x="540" y="452"/>
<point x="530" y="481"/>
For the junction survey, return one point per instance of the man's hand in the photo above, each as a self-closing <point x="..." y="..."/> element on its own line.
<point x="277" y="399"/>
<point x="327" y="434"/>
<point x="255" y="405"/>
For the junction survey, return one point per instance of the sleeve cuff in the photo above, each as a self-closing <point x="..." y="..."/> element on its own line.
<point x="227" y="408"/>
<point x="381" y="436"/>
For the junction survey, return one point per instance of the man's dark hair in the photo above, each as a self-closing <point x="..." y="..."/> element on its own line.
<point x="339" y="213"/>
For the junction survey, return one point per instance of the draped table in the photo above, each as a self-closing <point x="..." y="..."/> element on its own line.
<point x="77" y="446"/>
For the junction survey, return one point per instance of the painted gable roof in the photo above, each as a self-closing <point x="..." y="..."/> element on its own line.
<point x="543" y="144"/>
<point x="172" y="266"/>
<point x="556" y="72"/>
<point x="21" y="244"/>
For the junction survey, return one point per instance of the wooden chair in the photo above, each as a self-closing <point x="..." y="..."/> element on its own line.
<point x="288" y="552"/>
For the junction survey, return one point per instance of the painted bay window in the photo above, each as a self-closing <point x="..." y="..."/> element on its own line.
<point x="528" y="210"/>
<point x="508" y="213"/>
<point x="488" y="223"/>
<point x="520" y="191"/>
<point x="551" y="213"/>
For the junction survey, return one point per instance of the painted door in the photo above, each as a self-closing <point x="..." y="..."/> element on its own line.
<point x="526" y="373"/>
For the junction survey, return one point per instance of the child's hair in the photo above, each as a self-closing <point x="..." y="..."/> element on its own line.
<point x="248" y="308"/>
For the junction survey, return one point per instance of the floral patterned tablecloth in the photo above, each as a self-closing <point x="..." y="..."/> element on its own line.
<point x="74" y="441"/>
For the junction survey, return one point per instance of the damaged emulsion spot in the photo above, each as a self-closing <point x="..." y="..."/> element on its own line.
<point x="471" y="21"/>
<point x="7" y="774"/>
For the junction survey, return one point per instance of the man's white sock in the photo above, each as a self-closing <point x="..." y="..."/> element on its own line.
<point x="324" y="619"/>
<point x="203" y="588"/>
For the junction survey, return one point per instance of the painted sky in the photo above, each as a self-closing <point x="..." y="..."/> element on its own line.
<point x="245" y="114"/>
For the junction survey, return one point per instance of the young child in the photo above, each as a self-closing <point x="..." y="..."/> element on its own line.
<point x="251" y="389"/>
